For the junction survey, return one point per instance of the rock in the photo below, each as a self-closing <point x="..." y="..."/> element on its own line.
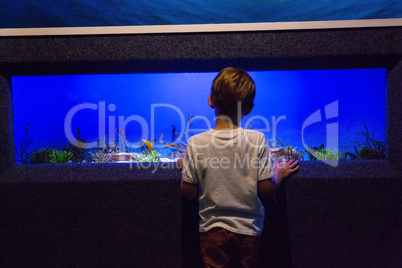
<point x="278" y="153"/>
<point x="119" y="157"/>
<point x="168" y="160"/>
<point x="282" y="153"/>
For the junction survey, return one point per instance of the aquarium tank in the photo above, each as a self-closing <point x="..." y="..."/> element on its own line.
<point x="148" y="117"/>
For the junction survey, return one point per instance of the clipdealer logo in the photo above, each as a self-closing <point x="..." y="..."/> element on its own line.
<point x="332" y="129"/>
<point x="330" y="111"/>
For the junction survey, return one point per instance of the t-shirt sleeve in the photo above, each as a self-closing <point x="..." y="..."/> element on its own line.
<point x="265" y="168"/>
<point x="188" y="173"/>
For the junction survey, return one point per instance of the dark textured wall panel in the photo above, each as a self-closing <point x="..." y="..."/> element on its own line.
<point x="201" y="52"/>
<point x="6" y="126"/>
<point x="394" y="114"/>
<point x="345" y="222"/>
<point x="90" y="216"/>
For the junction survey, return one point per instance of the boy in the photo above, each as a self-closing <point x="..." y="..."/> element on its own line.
<point x="228" y="167"/>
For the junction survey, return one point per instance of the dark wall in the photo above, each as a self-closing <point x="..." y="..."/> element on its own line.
<point x="354" y="222"/>
<point x="102" y="215"/>
<point x="90" y="216"/>
<point x="6" y="126"/>
<point x="277" y="50"/>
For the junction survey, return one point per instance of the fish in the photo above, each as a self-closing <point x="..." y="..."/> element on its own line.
<point x="173" y="133"/>
<point x="149" y="145"/>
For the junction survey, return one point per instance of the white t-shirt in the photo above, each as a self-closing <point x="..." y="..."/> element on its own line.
<point x="227" y="165"/>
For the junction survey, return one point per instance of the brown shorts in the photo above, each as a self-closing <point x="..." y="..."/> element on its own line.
<point x="222" y="248"/>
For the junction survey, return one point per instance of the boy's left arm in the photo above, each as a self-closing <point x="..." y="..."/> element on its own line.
<point x="266" y="188"/>
<point x="284" y="169"/>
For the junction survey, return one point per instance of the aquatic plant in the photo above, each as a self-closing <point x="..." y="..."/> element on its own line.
<point x="153" y="156"/>
<point x="370" y="153"/>
<point x="370" y="148"/>
<point x="60" y="157"/>
<point x="78" y="149"/>
<point x="42" y="156"/>
<point x="320" y="153"/>
<point x="21" y="149"/>
<point x="350" y="155"/>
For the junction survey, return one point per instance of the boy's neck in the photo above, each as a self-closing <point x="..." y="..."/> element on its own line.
<point x="222" y="124"/>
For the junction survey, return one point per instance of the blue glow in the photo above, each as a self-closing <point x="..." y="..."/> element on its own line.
<point x="288" y="97"/>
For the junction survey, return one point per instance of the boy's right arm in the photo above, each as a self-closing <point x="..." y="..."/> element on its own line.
<point x="188" y="191"/>
<point x="266" y="188"/>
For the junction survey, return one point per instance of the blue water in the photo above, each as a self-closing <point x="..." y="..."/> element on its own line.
<point x="146" y="106"/>
<point x="75" y="13"/>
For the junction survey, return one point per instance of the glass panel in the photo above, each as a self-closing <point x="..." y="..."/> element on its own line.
<point x="302" y="108"/>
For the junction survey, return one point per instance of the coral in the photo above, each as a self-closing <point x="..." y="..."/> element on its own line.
<point x="370" y="148"/>
<point x="122" y="140"/>
<point x="21" y="149"/>
<point x="104" y="151"/>
<point x="117" y="150"/>
<point x="273" y="143"/>
<point x="181" y="148"/>
<point x="60" y="157"/>
<point x="107" y="148"/>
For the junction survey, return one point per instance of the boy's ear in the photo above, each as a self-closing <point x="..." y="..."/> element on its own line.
<point x="210" y="102"/>
<point x="248" y="110"/>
